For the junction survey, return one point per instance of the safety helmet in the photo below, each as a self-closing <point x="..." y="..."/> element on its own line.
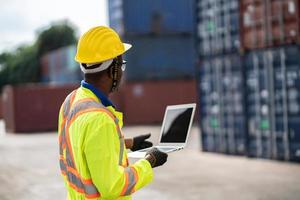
<point x="99" y="44"/>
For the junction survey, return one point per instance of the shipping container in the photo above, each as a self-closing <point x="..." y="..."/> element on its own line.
<point x="152" y="17"/>
<point x="59" y="66"/>
<point x="115" y="11"/>
<point x="222" y="115"/>
<point x="273" y="103"/>
<point x="33" y="108"/>
<point x="145" y="102"/>
<point x="269" y="23"/>
<point x="217" y="27"/>
<point x="160" y="57"/>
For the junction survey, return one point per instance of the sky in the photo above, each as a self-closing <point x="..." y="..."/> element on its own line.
<point x="21" y="19"/>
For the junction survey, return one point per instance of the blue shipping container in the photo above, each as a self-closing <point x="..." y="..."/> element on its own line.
<point x="273" y="103"/>
<point x="156" y="16"/>
<point x="163" y="57"/>
<point x="115" y="11"/>
<point x="222" y="117"/>
<point x="217" y="27"/>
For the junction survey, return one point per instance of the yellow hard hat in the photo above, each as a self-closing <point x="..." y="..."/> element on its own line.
<point x="99" y="44"/>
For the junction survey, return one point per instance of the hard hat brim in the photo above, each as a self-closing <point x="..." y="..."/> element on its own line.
<point x="127" y="46"/>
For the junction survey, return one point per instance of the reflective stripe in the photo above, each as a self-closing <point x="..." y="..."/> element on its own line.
<point x="82" y="186"/>
<point x="122" y="143"/>
<point x="66" y="109"/>
<point x="69" y="159"/>
<point x="67" y="105"/>
<point x="90" y="189"/>
<point x="62" y="141"/>
<point x="131" y="180"/>
<point x="63" y="167"/>
<point x="82" y="106"/>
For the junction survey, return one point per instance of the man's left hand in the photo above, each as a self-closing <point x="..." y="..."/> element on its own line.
<point x="139" y="142"/>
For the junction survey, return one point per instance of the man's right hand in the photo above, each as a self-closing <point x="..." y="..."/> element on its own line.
<point x="156" y="157"/>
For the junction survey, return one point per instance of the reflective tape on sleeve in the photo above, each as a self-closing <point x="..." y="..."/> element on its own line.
<point x="131" y="180"/>
<point x="121" y="151"/>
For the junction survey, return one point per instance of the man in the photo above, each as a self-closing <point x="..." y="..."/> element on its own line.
<point x="93" y="158"/>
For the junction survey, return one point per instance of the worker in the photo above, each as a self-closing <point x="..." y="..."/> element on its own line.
<point x="93" y="156"/>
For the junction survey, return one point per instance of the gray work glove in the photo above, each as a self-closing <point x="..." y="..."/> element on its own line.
<point x="140" y="142"/>
<point x="156" y="157"/>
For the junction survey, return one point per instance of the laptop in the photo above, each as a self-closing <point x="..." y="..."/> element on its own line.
<point x="175" y="129"/>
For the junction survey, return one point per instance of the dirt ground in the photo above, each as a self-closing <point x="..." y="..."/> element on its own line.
<point x="29" y="171"/>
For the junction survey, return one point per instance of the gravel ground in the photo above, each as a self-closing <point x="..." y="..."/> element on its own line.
<point x="30" y="171"/>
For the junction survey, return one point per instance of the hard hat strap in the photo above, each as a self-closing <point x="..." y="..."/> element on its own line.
<point x="114" y="77"/>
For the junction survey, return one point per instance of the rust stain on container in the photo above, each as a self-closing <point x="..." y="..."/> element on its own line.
<point x="269" y="23"/>
<point x="145" y="102"/>
<point x="33" y="108"/>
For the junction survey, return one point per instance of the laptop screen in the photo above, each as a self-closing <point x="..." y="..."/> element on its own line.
<point x="176" y="125"/>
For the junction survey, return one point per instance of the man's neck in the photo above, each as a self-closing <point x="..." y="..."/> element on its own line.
<point x="100" y="86"/>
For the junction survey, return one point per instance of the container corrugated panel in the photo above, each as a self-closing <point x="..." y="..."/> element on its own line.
<point x="59" y="66"/>
<point x="269" y="23"/>
<point x="163" y="57"/>
<point x="217" y="27"/>
<point x="33" y="108"/>
<point x="115" y="11"/>
<point x="222" y="117"/>
<point x="273" y="103"/>
<point x="167" y="16"/>
<point x="145" y="102"/>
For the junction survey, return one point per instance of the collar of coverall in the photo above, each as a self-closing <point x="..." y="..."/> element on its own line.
<point x="104" y="100"/>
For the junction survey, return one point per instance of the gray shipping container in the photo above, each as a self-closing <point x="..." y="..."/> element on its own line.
<point x="160" y="57"/>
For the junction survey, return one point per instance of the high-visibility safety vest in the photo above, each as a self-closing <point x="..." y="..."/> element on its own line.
<point x="93" y="157"/>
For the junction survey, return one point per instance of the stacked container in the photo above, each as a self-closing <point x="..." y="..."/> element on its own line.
<point x="269" y="23"/>
<point x="162" y="36"/>
<point x="59" y="66"/>
<point x="217" y="27"/>
<point x="220" y="77"/>
<point x="273" y="102"/>
<point x="270" y="34"/>
<point x="162" y="59"/>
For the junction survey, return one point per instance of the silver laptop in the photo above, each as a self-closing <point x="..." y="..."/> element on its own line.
<point x="175" y="129"/>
